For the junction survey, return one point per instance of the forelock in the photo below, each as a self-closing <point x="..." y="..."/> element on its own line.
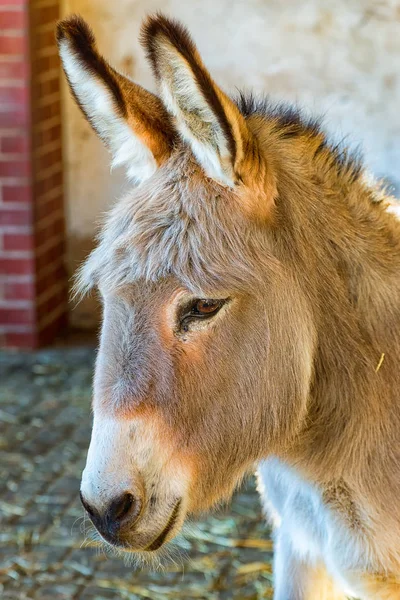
<point x="177" y="223"/>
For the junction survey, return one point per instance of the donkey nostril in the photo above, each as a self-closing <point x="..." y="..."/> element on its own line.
<point x="121" y="507"/>
<point x="110" y="519"/>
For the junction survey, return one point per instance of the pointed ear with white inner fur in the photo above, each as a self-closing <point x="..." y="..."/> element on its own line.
<point x="132" y="122"/>
<point x="206" y="118"/>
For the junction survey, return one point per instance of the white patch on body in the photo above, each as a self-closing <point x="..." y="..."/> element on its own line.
<point x="309" y="531"/>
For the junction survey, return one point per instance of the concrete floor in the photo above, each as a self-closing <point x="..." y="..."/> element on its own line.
<point x="44" y="554"/>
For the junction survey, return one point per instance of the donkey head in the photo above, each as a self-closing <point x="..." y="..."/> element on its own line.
<point x="204" y="360"/>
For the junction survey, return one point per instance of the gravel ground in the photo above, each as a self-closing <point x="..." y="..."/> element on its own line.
<point x="44" y="553"/>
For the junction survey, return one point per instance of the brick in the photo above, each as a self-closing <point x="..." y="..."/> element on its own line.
<point x="42" y="64"/>
<point x="14" y="168"/>
<point x="55" y="192"/>
<point x="46" y="87"/>
<point x="29" y="341"/>
<point x="48" y="159"/>
<point x="50" y="292"/>
<point x="14" y="70"/>
<point x="15" y="144"/>
<point x="44" y="39"/>
<point x="44" y="226"/>
<point x="58" y="324"/>
<point x="18" y="116"/>
<point x="13" y="95"/>
<point x="16" y="193"/>
<point x="51" y="234"/>
<point x="46" y="281"/>
<point x="39" y="128"/>
<point x="59" y="299"/>
<point x="49" y="75"/>
<point x="53" y="149"/>
<point x="49" y="135"/>
<point x="18" y="312"/>
<point x="12" y="44"/>
<point x="29" y="98"/>
<point x="17" y="266"/>
<point x="50" y="239"/>
<point x="17" y="316"/>
<point x="45" y="14"/>
<point x="42" y="113"/>
<point x="19" y="290"/>
<point x="46" y="95"/>
<point x="12" y="19"/>
<point x="44" y="209"/>
<point x="53" y="254"/>
<point x="14" y="3"/>
<point x="48" y="183"/>
<point x="15" y="217"/>
<point x="18" y="241"/>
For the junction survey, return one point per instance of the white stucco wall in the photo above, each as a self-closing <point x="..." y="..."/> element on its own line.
<point x="340" y="58"/>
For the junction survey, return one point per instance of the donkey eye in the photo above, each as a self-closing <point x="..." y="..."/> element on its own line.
<point x="205" y="308"/>
<point x="200" y="308"/>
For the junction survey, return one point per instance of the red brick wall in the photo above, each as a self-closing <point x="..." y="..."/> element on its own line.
<point x="33" y="282"/>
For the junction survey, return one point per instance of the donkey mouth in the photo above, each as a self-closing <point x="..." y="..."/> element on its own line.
<point x="158" y="542"/>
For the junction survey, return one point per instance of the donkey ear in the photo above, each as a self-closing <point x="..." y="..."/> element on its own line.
<point x="132" y="122"/>
<point x="205" y="117"/>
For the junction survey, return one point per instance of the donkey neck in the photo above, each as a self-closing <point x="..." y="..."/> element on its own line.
<point x="346" y="249"/>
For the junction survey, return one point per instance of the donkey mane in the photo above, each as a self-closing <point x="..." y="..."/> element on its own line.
<point x="293" y="122"/>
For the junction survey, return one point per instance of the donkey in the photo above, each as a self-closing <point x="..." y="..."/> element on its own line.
<point x="251" y="309"/>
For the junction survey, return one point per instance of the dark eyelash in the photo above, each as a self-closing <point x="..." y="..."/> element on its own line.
<point x="188" y="314"/>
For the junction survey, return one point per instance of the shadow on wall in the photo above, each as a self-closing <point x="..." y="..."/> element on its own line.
<point x="86" y="312"/>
